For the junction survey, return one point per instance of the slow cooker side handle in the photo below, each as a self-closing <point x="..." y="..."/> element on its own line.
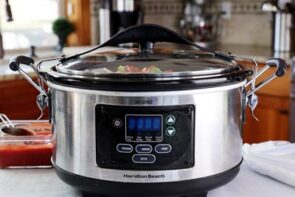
<point x="146" y="35"/>
<point x="16" y="61"/>
<point x="280" y="65"/>
<point x="14" y="65"/>
<point x="251" y="97"/>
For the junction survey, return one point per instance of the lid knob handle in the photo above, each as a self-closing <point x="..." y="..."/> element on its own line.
<point x="146" y="47"/>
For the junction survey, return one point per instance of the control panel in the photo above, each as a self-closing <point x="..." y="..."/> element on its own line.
<point x="145" y="138"/>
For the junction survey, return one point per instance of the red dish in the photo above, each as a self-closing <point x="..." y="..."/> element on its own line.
<point x="29" y="151"/>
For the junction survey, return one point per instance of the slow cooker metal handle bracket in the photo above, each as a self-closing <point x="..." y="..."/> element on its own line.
<point x="14" y="65"/>
<point x="251" y="97"/>
<point x="42" y="98"/>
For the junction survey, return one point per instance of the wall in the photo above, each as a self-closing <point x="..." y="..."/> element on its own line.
<point x="164" y="12"/>
<point x="247" y="25"/>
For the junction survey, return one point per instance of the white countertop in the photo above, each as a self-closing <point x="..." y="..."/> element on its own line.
<point x="44" y="182"/>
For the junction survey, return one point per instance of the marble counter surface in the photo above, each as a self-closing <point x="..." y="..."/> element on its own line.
<point x="44" y="182"/>
<point x="6" y="74"/>
<point x="259" y="53"/>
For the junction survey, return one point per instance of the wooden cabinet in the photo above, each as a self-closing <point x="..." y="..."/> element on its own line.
<point x="18" y="100"/>
<point x="273" y="124"/>
<point x="273" y="111"/>
<point x="78" y="12"/>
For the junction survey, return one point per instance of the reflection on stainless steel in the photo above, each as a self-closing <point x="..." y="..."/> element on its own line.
<point x="217" y="146"/>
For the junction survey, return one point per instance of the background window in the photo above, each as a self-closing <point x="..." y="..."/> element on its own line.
<point x="32" y="24"/>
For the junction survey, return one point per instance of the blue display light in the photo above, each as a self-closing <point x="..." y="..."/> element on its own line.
<point x="144" y="123"/>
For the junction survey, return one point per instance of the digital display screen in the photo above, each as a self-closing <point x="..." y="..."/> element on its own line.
<point x="143" y="126"/>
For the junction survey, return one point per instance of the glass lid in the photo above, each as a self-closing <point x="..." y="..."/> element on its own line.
<point x="160" y="62"/>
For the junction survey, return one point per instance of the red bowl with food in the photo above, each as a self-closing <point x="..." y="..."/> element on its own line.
<point x="28" y="144"/>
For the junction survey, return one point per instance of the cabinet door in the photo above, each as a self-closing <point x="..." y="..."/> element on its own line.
<point x="273" y="124"/>
<point x="18" y="100"/>
<point x="78" y="12"/>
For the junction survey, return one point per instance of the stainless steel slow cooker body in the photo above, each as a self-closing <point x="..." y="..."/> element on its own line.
<point x="171" y="125"/>
<point x="217" y="131"/>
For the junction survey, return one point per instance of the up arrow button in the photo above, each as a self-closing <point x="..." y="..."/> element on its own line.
<point x="170" y="120"/>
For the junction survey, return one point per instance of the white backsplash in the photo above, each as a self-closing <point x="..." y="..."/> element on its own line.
<point x="248" y="25"/>
<point x="246" y="29"/>
<point x="164" y="12"/>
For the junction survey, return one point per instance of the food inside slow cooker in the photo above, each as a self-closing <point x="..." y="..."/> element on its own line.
<point x="137" y="69"/>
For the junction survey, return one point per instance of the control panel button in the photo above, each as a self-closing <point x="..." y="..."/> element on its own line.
<point x="163" y="148"/>
<point x="143" y="158"/>
<point x="117" y="123"/>
<point x="170" y="131"/>
<point x="143" y="148"/>
<point x="124" y="148"/>
<point x="170" y="120"/>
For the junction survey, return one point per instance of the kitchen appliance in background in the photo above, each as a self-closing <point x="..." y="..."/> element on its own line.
<point x="9" y="18"/>
<point x="283" y="26"/>
<point x="197" y="25"/>
<point x="149" y="121"/>
<point x="116" y="15"/>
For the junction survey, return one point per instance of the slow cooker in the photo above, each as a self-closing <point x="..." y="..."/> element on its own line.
<point x="147" y="121"/>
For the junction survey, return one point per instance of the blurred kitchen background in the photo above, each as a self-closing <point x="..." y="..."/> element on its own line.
<point x="230" y="22"/>
<point x="250" y="28"/>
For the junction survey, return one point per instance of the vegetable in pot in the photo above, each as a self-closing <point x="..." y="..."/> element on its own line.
<point x="136" y="69"/>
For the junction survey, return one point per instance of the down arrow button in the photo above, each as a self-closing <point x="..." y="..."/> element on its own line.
<point x="170" y="131"/>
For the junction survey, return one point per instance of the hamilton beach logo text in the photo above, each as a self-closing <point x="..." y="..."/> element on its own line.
<point x="148" y="176"/>
<point x="143" y="102"/>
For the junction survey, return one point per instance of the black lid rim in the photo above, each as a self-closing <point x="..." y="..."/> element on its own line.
<point x="148" y="77"/>
<point x="149" y="85"/>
